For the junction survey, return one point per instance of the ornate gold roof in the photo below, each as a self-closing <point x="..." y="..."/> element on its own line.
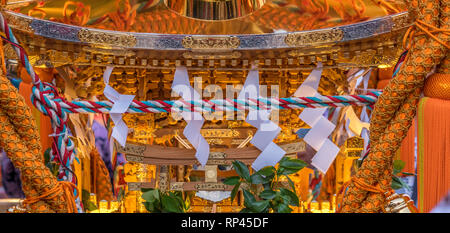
<point x="259" y="16"/>
<point x="290" y="34"/>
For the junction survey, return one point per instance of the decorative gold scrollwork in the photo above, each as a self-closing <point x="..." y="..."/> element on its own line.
<point x="401" y="21"/>
<point x="136" y="159"/>
<point x="217" y="42"/>
<point x="210" y="186"/>
<point x="134" y="186"/>
<point x="21" y="23"/>
<point x="112" y="39"/>
<point x="314" y="37"/>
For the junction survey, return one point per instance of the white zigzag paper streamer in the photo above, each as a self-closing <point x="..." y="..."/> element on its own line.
<point x="266" y="131"/>
<point x="321" y="127"/>
<point x="121" y="104"/>
<point x="194" y="120"/>
<point x="354" y="125"/>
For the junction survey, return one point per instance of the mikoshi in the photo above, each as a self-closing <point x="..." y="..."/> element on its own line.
<point x="224" y="106"/>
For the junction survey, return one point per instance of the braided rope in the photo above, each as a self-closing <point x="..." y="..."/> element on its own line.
<point x="19" y="137"/>
<point x="396" y="108"/>
<point x="46" y="98"/>
<point x="217" y="105"/>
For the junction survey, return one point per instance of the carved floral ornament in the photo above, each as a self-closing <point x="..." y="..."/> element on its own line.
<point x="112" y="39"/>
<point x="222" y="42"/>
<point x="23" y="24"/>
<point x="315" y="37"/>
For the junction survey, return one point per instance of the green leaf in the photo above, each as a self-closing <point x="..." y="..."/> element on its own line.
<point x="292" y="164"/>
<point x="408" y="174"/>
<point x="283" y="208"/>
<point x="246" y="210"/>
<point x="155" y="207"/>
<point x="47" y="156"/>
<point x="398" y="183"/>
<point x="398" y="166"/>
<point x="177" y="196"/>
<point x="259" y="179"/>
<point x="290" y="197"/>
<point x="90" y="206"/>
<point x="151" y="195"/>
<point x="234" y="191"/>
<point x="260" y="206"/>
<point x="249" y="199"/>
<point x="267" y="186"/>
<point x="268" y="194"/>
<point x="87" y="204"/>
<point x="232" y="180"/>
<point x="242" y="170"/>
<point x="170" y="204"/>
<point x="121" y="195"/>
<point x="266" y="171"/>
<point x="256" y="206"/>
<point x="149" y="207"/>
<point x="286" y="171"/>
<point x="85" y="195"/>
<point x="291" y="183"/>
<point x="145" y="189"/>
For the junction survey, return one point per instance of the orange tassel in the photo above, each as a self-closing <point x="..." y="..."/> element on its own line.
<point x="407" y="149"/>
<point x="433" y="152"/>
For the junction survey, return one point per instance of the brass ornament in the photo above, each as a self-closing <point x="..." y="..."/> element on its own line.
<point x="210" y="42"/>
<point x="105" y="38"/>
<point x="314" y="37"/>
<point x="371" y="57"/>
<point x="353" y="147"/>
<point x="210" y="187"/>
<point x="136" y="159"/>
<point x="220" y="133"/>
<point x="217" y="155"/>
<point x="19" y="23"/>
<point x="400" y="203"/>
<point x="163" y="183"/>
<point x="130" y="149"/>
<point x="211" y="173"/>
<point x="401" y="21"/>
<point x="134" y="186"/>
<point x="295" y="147"/>
<point x="176" y="186"/>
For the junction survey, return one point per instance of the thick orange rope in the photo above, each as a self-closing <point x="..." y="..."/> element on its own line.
<point x="19" y="138"/>
<point x="396" y="107"/>
<point x="62" y="187"/>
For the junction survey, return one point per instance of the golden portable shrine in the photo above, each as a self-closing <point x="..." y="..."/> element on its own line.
<point x="226" y="105"/>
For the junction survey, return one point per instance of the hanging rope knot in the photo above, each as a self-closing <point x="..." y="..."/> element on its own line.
<point x="67" y="188"/>
<point x="46" y="98"/>
<point x="359" y="183"/>
<point x="421" y="28"/>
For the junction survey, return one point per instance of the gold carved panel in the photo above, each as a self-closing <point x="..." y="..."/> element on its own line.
<point x="112" y="39"/>
<point x="316" y="37"/>
<point x="220" y="42"/>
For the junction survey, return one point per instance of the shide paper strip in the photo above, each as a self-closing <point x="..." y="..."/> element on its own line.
<point x="194" y="120"/>
<point x="359" y="126"/>
<point x="321" y="127"/>
<point x="267" y="130"/>
<point x="121" y="104"/>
